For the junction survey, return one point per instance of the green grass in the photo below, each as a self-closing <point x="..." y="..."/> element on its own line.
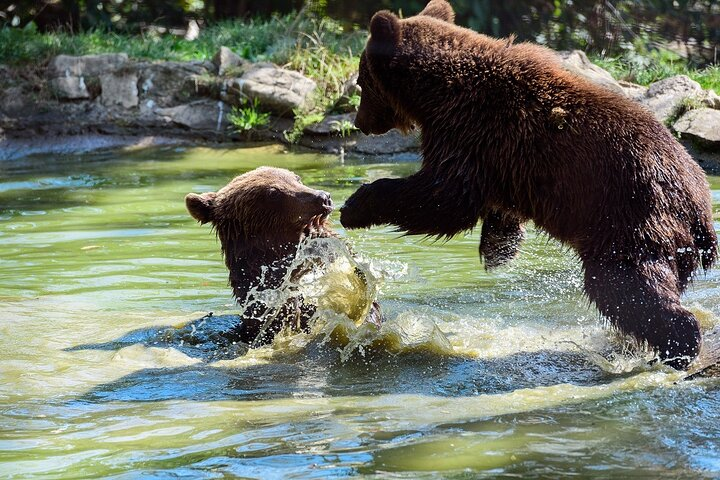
<point x="253" y="40"/>
<point x="248" y="117"/>
<point x="648" y="67"/>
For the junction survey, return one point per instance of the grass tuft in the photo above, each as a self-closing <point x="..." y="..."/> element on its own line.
<point x="648" y="67"/>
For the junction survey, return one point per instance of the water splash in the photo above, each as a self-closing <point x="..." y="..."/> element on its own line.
<point x="344" y="287"/>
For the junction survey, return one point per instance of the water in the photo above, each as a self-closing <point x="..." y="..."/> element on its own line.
<point x="110" y="366"/>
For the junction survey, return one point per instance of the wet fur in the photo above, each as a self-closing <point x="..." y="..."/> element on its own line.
<point x="509" y="136"/>
<point x="260" y="217"/>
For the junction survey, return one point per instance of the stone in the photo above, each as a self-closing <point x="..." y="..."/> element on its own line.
<point x="330" y="125"/>
<point x="70" y="75"/>
<point x="204" y="115"/>
<point x="86" y="65"/>
<point x="12" y="100"/>
<point x="69" y="88"/>
<point x="276" y="89"/>
<point x="664" y="97"/>
<point x="701" y="125"/>
<point x="633" y="90"/>
<point x="119" y="89"/>
<point x="577" y="62"/>
<point x="167" y="83"/>
<point x="389" y="143"/>
<point x="226" y="60"/>
<point x="350" y="89"/>
<point x="710" y="99"/>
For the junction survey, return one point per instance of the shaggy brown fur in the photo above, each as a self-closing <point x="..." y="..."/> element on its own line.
<point x="509" y="136"/>
<point x="260" y="217"/>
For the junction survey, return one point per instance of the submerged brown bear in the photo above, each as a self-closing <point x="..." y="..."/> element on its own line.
<point x="509" y="136"/>
<point x="260" y="218"/>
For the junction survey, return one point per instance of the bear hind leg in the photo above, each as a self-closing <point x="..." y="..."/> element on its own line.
<point x="643" y="300"/>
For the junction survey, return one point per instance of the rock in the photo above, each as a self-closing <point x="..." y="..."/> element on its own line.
<point x="710" y="99"/>
<point x="204" y="115"/>
<point x="69" y="88"/>
<point x="12" y="100"/>
<point x="350" y="89"/>
<point x="193" y="31"/>
<point x="277" y="90"/>
<point x="391" y="142"/>
<point x="663" y="97"/>
<point x="577" y="62"/>
<point x="119" y="89"/>
<point x="86" y="65"/>
<point x="330" y="125"/>
<point x="633" y="90"/>
<point x="701" y="125"/>
<point x="225" y="59"/>
<point x="70" y="76"/>
<point x="166" y="83"/>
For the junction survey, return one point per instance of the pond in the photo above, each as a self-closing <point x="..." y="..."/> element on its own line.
<point x="508" y="373"/>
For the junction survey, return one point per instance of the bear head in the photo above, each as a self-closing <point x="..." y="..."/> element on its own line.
<point x="260" y="217"/>
<point x="378" y="113"/>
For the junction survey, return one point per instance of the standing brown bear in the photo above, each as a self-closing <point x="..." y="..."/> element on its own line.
<point x="509" y="136"/>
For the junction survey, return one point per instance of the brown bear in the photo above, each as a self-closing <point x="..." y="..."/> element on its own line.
<point x="509" y="136"/>
<point x="260" y="218"/>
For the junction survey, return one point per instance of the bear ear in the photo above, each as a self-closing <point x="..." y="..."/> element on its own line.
<point x="201" y="206"/>
<point x="385" y="28"/>
<point x="439" y="9"/>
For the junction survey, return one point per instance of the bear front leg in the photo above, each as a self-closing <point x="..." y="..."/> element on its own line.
<point x="500" y="239"/>
<point x="418" y="204"/>
<point x="642" y="300"/>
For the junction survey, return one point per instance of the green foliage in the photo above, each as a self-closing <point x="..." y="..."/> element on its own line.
<point x="323" y="51"/>
<point x="248" y="117"/>
<point x="354" y="101"/>
<point x="647" y="67"/>
<point x="302" y="120"/>
<point x="254" y="40"/>
<point x="344" y="127"/>
<point x="685" y="105"/>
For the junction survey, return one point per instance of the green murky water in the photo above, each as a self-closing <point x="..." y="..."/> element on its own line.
<point x="98" y="257"/>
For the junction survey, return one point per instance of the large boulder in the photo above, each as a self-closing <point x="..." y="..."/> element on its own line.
<point x="633" y="90"/>
<point x="388" y="143"/>
<point x="664" y="97"/>
<point x="577" y="62"/>
<point x="86" y="65"/>
<point x="167" y="83"/>
<point x="702" y="126"/>
<point x="203" y="115"/>
<point x="70" y="75"/>
<point x="710" y="99"/>
<point x="13" y="100"/>
<point x="226" y="61"/>
<point x="276" y="89"/>
<point x="119" y="89"/>
<point x="331" y="125"/>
